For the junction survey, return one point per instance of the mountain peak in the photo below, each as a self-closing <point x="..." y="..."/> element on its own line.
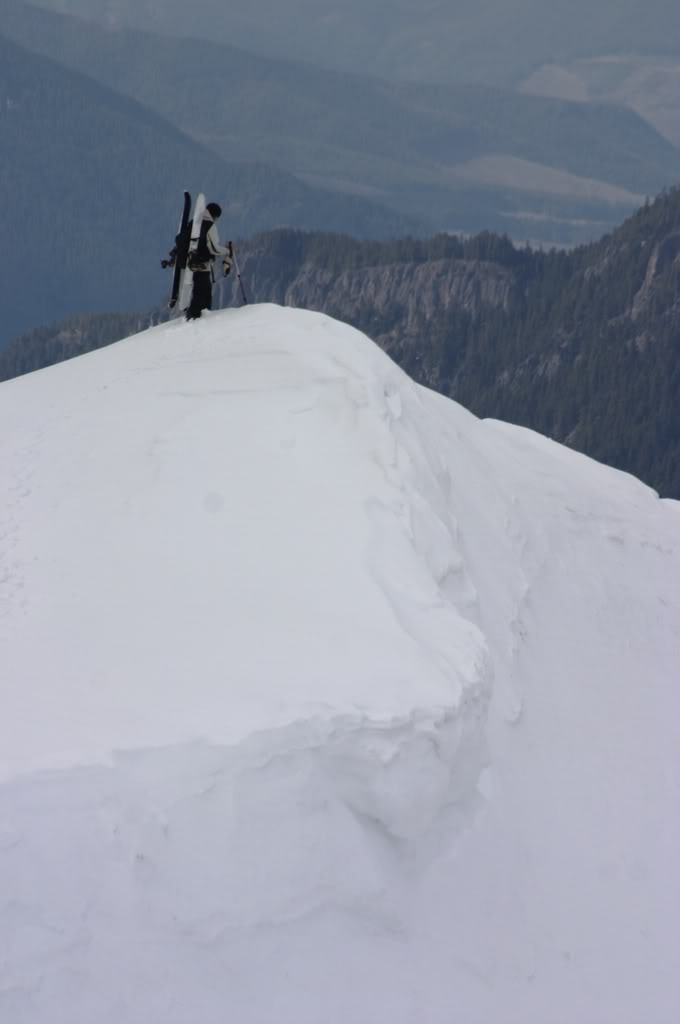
<point x="212" y="484"/>
<point x="308" y="672"/>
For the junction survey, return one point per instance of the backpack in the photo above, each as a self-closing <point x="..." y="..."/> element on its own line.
<point x="201" y="254"/>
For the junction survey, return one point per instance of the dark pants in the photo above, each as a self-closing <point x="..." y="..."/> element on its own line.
<point x="201" y="295"/>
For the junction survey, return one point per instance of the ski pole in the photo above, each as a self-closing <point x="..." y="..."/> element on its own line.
<point x="238" y="273"/>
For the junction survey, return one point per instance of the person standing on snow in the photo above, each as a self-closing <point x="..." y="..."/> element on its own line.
<point x="201" y="261"/>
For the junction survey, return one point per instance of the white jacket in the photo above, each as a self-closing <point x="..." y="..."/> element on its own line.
<point x="214" y="239"/>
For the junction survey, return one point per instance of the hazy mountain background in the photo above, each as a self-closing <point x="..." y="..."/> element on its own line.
<point x="489" y="41"/>
<point x="583" y="346"/>
<point x="91" y="185"/>
<point x="456" y="157"/>
<point x="622" y="51"/>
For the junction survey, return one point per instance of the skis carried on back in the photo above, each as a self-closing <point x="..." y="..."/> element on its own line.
<point x="178" y="255"/>
<point x="187" y="281"/>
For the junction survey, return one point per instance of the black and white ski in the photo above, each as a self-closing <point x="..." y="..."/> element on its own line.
<point x="181" y="251"/>
<point x="187" y="282"/>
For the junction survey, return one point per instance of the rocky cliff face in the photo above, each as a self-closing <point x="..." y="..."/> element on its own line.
<point x="663" y="270"/>
<point x="398" y="304"/>
<point x="418" y="291"/>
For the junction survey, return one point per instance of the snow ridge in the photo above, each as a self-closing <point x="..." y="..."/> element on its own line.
<point x="304" y="666"/>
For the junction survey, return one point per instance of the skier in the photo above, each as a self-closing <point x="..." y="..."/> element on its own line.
<point x="201" y="260"/>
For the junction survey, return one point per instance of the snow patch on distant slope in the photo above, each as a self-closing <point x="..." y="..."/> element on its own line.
<point x="507" y="171"/>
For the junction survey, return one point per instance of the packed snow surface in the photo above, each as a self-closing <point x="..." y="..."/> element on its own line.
<point x="323" y="700"/>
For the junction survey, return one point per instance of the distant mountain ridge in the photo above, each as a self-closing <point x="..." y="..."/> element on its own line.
<point x="92" y="183"/>
<point x="648" y="85"/>
<point x="496" y="42"/>
<point x="582" y="346"/>
<point x="454" y="157"/>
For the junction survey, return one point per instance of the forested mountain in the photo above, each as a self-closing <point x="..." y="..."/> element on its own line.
<point x="460" y="158"/>
<point x="583" y="346"/>
<point x="85" y="332"/>
<point x="91" y="183"/>
<point x="497" y="41"/>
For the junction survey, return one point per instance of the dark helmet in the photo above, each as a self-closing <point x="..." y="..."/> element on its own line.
<point x="215" y="210"/>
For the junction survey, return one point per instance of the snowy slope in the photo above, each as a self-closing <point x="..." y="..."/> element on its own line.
<point x="324" y="700"/>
